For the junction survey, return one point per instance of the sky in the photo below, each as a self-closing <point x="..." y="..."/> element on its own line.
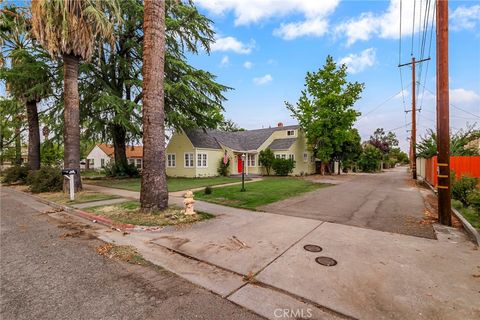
<point x="264" y="48"/>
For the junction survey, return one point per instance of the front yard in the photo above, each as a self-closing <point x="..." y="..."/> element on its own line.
<point x="80" y="197"/>
<point x="174" y="184"/>
<point x="128" y="212"/>
<point x="257" y="194"/>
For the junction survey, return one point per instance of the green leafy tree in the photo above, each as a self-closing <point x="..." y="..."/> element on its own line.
<point x="460" y="143"/>
<point x="11" y="129"/>
<point x="26" y="72"/>
<point x="230" y="126"/>
<point x="266" y="158"/>
<point x="112" y="81"/>
<point x="325" y="109"/>
<point x="350" y="150"/>
<point x="370" y="158"/>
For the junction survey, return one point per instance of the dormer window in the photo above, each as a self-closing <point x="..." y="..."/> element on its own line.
<point x="290" y="132"/>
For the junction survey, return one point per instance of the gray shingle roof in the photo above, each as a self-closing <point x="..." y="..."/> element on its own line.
<point x="282" y="144"/>
<point x="240" y="141"/>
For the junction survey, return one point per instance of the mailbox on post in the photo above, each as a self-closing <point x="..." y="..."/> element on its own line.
<point x="70" y="175"/>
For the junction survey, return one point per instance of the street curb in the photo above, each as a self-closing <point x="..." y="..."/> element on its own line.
<point x="471" y="231"/>
<point x="93" y="218"/>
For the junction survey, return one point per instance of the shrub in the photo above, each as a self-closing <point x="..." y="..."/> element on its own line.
<point x="47" y="179"/>
<point x="462" y="188"/>
<point x="111" y="169"/>
<point x="208" y="190"/>
<point x="474" y="200"/>
<point x="283" y="167"/>
<point x="223" y="168"/>
<point x="266" y="159"/>
<point x="369" y="160"/>
<point x="16" y="174"/>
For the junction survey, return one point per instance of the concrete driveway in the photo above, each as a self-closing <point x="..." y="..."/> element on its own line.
<point x="386" y="201"/>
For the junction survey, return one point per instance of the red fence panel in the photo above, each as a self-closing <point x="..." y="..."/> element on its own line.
<point x="460" y="165"/>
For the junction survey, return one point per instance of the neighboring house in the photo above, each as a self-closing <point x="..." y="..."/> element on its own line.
<point x="198" y="152"/>
<point x="102" y="154"/>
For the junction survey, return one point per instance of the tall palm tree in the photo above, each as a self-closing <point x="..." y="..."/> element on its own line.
<point x="68" y="29"/>
<point x="27" y="73"/>
<point x="153" y="192"/>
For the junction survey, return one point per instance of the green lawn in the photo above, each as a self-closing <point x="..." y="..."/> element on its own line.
<point x="174" y="184"/>
<point x="468" y="213"/>
<point x="259" y="193"/>
<point x="80" y="197"/>
<point x="128" y="212"/>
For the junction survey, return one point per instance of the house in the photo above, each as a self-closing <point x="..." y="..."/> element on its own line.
<point x="103" y="153"/>
<point x="198" y="152"/>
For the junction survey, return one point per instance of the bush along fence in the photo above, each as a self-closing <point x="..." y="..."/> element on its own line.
<point x="460" y="165"/>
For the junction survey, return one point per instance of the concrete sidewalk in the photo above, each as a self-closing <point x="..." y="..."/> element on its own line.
<point x="379" y="275"/>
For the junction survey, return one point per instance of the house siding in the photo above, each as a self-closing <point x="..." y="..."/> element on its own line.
<point x="97" y="155"/>
<point x="179" y="145"/>
<point x="213" y="162"/>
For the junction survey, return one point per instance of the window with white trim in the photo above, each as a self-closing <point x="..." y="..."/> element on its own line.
<point x="188" y="158"/>
<point x="291" y="157"/>
<point x="281" y="156"/>
<point x="131" y="161"/>
<point x="102" y="163"/>
<point x="251" y="160"/>
<point x="312" y="158"/>
<point x="290" y="132"/>
<point x="138" y="163"/>
<point x="171" y="160"/>
<point x="202" y="160"/>
<point x="305" y="157"/>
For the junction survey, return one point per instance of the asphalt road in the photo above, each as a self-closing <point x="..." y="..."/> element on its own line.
<point x="45" y="275"/>
<point x="386" y="201"/>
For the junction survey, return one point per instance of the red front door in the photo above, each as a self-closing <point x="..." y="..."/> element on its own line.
<point x="240" y="163"/>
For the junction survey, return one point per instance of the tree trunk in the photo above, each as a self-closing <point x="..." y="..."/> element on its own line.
<point x="119" y="146"/>
<point x="18" y="145"/>
<point x="33" y="135"/>
<point x="153" y="192"/>
<point x="71" y="134"/>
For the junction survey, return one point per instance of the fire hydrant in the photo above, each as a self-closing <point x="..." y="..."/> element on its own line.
<point x="188" y="202"/>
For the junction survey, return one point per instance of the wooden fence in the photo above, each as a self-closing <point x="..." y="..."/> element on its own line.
<point x="460" y="165"/>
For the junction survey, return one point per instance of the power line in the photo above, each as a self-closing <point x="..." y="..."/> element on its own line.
<point x="451" y="104"/>
<point x="380" y="105"/>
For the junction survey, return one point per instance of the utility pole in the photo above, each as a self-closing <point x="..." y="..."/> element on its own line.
<point x="413" y="140"/>
<point x="443" y="125"/>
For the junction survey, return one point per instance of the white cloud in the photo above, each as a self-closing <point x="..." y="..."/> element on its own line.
<point x="465" y="18"/>
<point x="314" y="12"/>
<point x="232" y="44"/>
<point x="359" y="62"/>
<point x="384" y="25"/>
<point x="248" y="65"/>
<point x="462" y="96"/>
<point x="312" y="27"/>
<point x="263" y="80"/>
<point x="225" y="61"/>
<point x="253" y="11"/>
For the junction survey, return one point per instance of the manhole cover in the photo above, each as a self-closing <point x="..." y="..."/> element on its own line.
<point x="312" y="248"/>
<point x="326" y="261"/>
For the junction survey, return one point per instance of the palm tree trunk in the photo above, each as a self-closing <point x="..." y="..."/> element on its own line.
<point x="153" y="192"/>
<point x="71" y="134"/>
<point x="33" y="135"/>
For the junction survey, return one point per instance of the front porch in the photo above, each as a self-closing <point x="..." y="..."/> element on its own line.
<point x="245" y="160"/>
